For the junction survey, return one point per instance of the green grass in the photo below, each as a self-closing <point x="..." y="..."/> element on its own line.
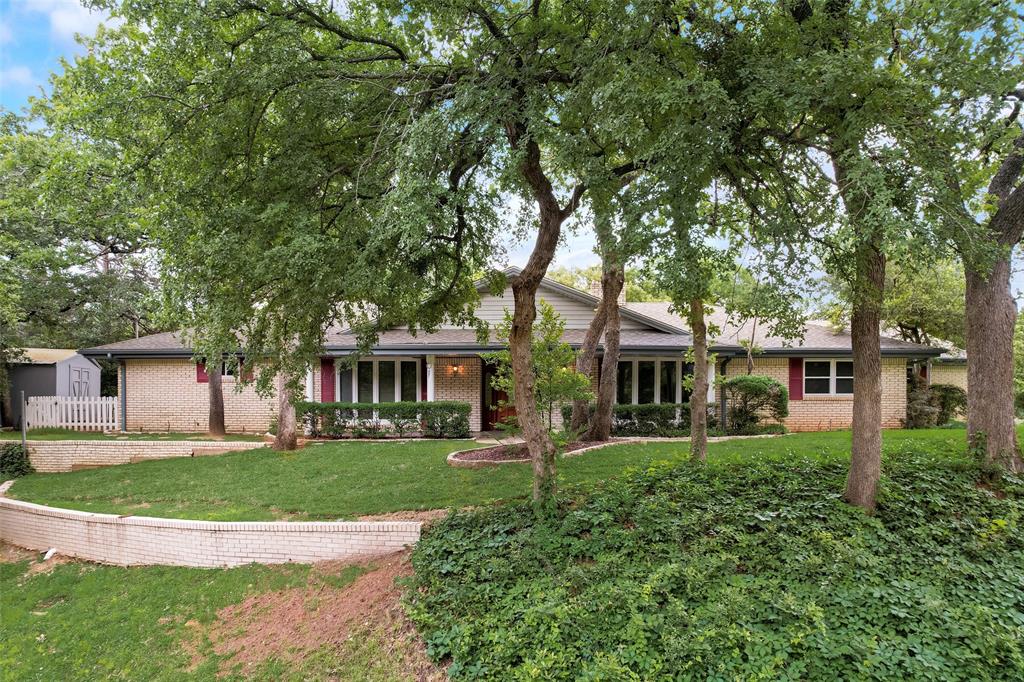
<point x="69" y="434"/>
<point x="349" y="479"/>
<point x="85" y="621"/>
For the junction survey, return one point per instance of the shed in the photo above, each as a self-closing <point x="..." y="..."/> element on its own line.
<point x="49" y="371"/>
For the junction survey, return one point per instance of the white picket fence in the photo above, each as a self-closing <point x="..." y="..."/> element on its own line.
<point x="81" y="414"/>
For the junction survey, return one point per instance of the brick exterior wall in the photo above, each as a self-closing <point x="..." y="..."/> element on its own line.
<point x="163" y="395"/>
<point x="69" y="455"/>
<point x="139" y="540"/>
<point x="826" y="413"/>
<point x="952" y="374"/>
<point x="464" y="385"/>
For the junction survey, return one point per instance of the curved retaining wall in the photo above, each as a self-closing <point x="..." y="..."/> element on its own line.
<point x="54" y="456"/>
<point x="140" y="540"/>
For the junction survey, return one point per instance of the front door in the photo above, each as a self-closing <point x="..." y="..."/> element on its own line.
<point x="496" y="405"/>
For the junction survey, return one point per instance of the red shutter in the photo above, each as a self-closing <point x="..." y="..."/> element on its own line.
<point x="201" y="376"/>
<point x="247" y="372"/>
<point x="327" y="380"/>
<point x="796" y="378"/>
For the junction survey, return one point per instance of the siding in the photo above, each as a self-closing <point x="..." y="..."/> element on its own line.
<point x="577" y="315"/>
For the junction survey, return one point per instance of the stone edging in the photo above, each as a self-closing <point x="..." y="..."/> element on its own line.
<point x="142" y="540"/>
<point x="55" y="456"/>
<point x="478" y="463"/>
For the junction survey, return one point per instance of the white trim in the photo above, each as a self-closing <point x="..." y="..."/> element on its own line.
<point x="309" y="385"/>
<point x="430" y="378"/>
<point x="398" y="360"/>
<point x="831" y="376"/>
<point x="711" y="382"/>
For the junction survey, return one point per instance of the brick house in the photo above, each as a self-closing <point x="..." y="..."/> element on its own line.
<point x="162" y="388"/>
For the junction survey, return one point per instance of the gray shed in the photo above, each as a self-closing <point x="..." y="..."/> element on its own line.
<point x="50" y="371"/>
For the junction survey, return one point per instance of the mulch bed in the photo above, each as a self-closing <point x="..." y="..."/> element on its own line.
<point x="514" y="452"/>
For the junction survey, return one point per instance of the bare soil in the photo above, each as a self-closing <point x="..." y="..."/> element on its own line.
<point x="426" y="516"/>
<point x="289" y="624"/>
<point x="514" y="452"/>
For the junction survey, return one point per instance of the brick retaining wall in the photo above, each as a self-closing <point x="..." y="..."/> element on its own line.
<point x="139" y="540"/>
<point x="52" y="456"/>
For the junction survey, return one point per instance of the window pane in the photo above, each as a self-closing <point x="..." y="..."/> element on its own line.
<point x="645" y="382"/>
<point x="817" y="369"/>
<point x="624" y="388"/>
<point x="844" y="369"/>
<point x="668" y="382"/>
<point x="844" y="386"/>
<point x="386" y="380"/>
<point x="345" y="379"/>
<point x="819" y="386"/>
<point x="409" y="387"/>
<point x="365" y="382"/>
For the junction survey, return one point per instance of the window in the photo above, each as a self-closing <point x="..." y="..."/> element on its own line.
<point x="828" y="377"/>
<point x="649" y="380"/>
<point x="380" y="381"/>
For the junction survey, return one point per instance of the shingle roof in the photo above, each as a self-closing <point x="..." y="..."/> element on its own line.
<point x="165" y="342"/>
<point x="44" y="356"/>
<point x="818" y="337"/>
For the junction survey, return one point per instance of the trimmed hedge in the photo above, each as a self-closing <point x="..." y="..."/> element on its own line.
<point x="14" y="461"/>
<point x="650" y="419"/>
<point x="440" y="419"/>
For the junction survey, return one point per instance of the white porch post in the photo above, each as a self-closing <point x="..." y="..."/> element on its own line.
<point x="430" y="378"/>
<point x="711" y="381"/>
<point x="309" y="385"/>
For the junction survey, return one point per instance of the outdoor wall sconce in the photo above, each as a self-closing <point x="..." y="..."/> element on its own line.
<point x="457" y="370"/>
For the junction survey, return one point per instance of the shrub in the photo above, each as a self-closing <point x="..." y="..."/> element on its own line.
<point x="14" y="461"/>
<point x="751" y="398"/>
<point x="758" y="571"/>
<point x="664" y="419"/>
<point x="935" y="405"/>
<point x="440" y="419"/>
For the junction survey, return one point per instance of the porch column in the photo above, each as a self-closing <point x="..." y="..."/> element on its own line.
<point x="711" y="381"/>
<point x="309" y="385"/>
<point x="430" y="378"/>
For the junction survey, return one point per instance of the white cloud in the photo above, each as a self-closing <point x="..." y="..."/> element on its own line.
<point x="17" y="75"/>
<point x="67" y="17"/>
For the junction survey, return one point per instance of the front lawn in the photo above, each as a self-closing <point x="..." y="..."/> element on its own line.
<point x="350" y="479"/>
<point x="70" y="434"/>
<point x="753" y="571"/>
<point x="83" y="621"/>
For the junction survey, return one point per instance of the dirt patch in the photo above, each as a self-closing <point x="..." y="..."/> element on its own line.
<point x="514" y="452"/>
<point x="46" y="567"/>
<point x="12" y="554"/>
<point x="425" y="516"/>
<point x="290" y="624"/>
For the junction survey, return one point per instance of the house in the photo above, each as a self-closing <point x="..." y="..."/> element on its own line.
<point x="162" y="388"/>
<point x="49" y="372"/>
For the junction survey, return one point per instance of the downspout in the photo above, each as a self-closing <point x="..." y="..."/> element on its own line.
<point x="721" y="398"/>
<point x="123" y="391"/>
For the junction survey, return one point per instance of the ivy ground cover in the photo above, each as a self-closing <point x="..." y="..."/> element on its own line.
<point x="743" y="571"/>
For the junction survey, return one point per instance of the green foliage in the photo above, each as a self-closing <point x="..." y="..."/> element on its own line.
<point x="750" y="398"/>
<point x="14" y="461"/>
<point x="640" y="285"/>
<point x="935" y="405"/>
<point x="438" y="419"/>
<point x="757" y="571"/>
<point x="555" y="379"/>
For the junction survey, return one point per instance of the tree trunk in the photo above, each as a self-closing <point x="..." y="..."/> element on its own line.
<point x="866" y="452"/>
<point x="991" y="316"/>
<point x="699" y="396"/>
<point x="214" y="374"/>
<point x="285" y="438"/>
<point x="588" y="351"/>
<point x="612" y="281"/>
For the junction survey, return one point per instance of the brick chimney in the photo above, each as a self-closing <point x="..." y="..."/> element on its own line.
<point x="595" y="290"/>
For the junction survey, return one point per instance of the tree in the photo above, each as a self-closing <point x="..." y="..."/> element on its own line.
<point x="639" y="285"/>
<point x="556" y="380"/>
<point x="214" y="373"/>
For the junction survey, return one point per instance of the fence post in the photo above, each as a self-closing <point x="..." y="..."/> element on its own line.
<point x="24" y="420"/>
